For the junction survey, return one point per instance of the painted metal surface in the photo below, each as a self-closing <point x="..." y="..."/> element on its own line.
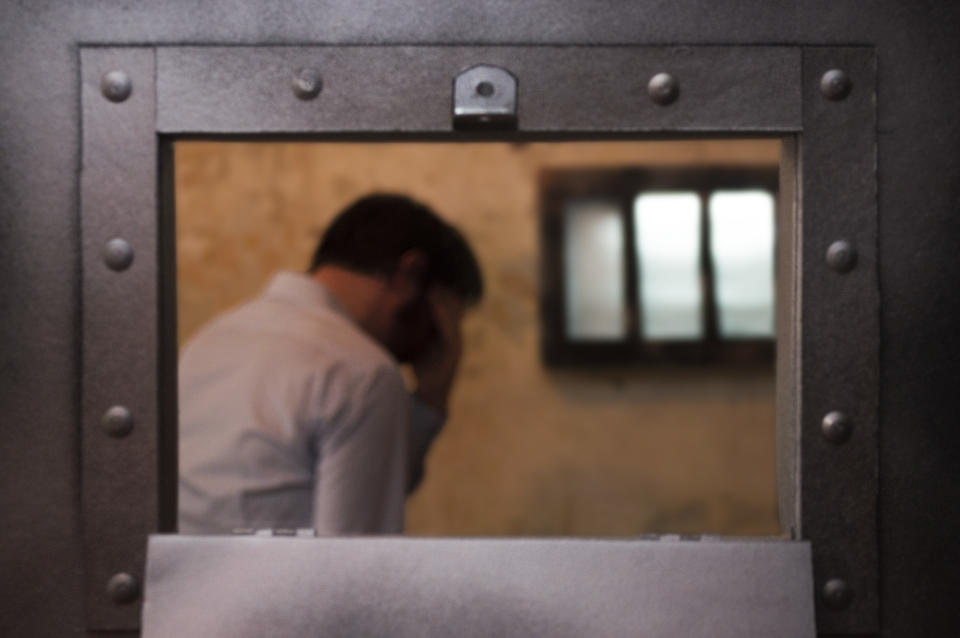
<point x="119" y="477"/>
<point x="213" y="90"/>
<point x="237" y="587"/>
<point x="409" y="89"/>
<point x="485" y="97"/>
<point x="840" y="336"/>
<point x="915" y="368"/>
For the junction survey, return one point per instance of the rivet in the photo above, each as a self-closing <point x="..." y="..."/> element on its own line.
<point x="117" y="422"/>
<point x="118" y="254"/>
<point x="307" y="84"/>
<point x="663" y="89"/>
<point x="841" y="256"/>
<point x="836" y="427"/>
<point x="835" y="85"/>
<point x="116" y="86"/>
<point x="123" y="588"/>
<point x="836" y="593"/>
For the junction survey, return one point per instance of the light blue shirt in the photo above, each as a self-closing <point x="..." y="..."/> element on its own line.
<point x="292" y="416"/>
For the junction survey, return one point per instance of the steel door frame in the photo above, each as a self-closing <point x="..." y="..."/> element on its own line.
<point x="828" y="326"/>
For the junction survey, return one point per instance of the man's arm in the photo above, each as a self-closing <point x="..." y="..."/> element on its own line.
<point x="435" y="372"/>
<point x="425" y="424"/>
<point x="361" y="469"/>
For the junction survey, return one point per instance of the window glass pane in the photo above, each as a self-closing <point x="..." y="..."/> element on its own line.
<point x="594" y="277"/>
<point x="668" y="243"/>
<point x="742" y="248"/>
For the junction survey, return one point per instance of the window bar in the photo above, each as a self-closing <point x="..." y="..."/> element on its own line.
<point x="711" y="332"/>
<point x="632" y="279"/>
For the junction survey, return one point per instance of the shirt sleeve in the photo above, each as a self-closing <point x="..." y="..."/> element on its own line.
<point x="426" y="423"/>
<point x="361" y="469"/>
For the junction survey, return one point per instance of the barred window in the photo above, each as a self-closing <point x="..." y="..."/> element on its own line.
<point x="658" y="265"/>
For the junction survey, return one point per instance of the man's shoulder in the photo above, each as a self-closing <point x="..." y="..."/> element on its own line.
<point x="315" y="336"/>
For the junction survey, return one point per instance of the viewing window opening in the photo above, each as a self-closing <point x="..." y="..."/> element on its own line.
<point x="605" y="251"/>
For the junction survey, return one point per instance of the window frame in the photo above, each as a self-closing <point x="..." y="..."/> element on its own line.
<point x="558" y="187"/>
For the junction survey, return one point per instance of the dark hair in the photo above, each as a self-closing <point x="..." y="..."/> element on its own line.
<point x="371" y="235"/>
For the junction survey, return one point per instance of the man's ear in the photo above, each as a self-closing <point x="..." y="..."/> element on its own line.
<point x="409" y="276"/>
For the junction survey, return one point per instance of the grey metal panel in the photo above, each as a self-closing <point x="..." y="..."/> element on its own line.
<point x="919" y="189"/>
<point x="120" y="332"/>
<point x="410" y="89"/>
<point x="40" y="561"/>
<point x="419" y="21"/>
<point x="247" y="586"/>
<point x="840" y="341"/>
<point x="919" y="200"/>
<point x="919" y="56"/>
<point x="920" y="359"/>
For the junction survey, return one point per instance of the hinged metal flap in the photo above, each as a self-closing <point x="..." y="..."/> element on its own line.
<point x="274" y="586"/>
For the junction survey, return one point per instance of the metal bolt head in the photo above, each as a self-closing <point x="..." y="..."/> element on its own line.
<point x="841" y="256"/>
<point x="118" y="254"/>
<point x="116" y="86"/>
<point x="117" y="422"/>
<point x="836" y="593"/>
<point x="836" y="427"/>
<point x="123" y="588"/>
<point x="307" y="84"/>
<point x="835" y="85"/>
<point x="663" y="89"/>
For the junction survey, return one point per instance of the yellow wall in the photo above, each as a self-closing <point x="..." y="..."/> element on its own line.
<point x="527" y="450"/>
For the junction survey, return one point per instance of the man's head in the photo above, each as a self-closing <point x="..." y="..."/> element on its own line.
<point x="410" y="252"/>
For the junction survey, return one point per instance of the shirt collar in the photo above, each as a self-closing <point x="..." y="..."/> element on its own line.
<point x="303" y="290"/>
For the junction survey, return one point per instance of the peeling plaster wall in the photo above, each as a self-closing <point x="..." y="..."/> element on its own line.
<point x="527" y="450"/>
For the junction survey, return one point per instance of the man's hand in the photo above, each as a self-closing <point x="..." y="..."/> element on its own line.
<point x="437" y="367"/>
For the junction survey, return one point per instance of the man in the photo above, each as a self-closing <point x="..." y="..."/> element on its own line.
<point x="293" y="410"/>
